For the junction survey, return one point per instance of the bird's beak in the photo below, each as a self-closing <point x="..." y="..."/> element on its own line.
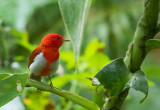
<point x="65" y="40"/>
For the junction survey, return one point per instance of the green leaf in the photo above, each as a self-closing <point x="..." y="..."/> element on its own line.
<point x="139" y="82"/>
<point x="20" y="19"/>
<point x="11" y="87"/>
<point x="152" y="44"/>
<point x="68" y="57"/>
<point x="3" y="46"/>
<point x="113" y="77"/>
<point x="22" y="39"/>
<point x="92" y="48"/>
<point x="2" y="76"/>
<point x="73" y="14"/>
<point x="101" y="58"/>
<point x="81" y="77"/>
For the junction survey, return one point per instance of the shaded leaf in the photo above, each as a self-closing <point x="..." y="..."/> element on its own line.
<point x="113" y="77"/>
<point x="3" y="46"/>
<point x="139" y="82"/>
<point x="73" y="14"/>
<point x="23" y="10"/>
<point x="22" y="39"/>
<point x="11" y="87"/>
<point x="152" y="44"/>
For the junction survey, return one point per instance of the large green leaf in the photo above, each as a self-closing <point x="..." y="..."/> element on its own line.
<point x="139" y="82"/>
<point x="11" y="87"/>
<point x="113" y="77"/>
<point x="73" y="14"/>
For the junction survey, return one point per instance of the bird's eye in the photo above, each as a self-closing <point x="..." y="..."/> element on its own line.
<point x="57" y="38"/>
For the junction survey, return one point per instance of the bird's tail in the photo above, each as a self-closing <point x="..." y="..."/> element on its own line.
<point x="34" y="77"/>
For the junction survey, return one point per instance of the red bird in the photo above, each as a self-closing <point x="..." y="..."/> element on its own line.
<point x="44" y="59"/>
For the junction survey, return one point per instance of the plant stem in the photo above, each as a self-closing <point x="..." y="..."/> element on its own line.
<point x="116" y="103"/>
<point x="136" y="53"/>
<point x="68" y="95"/>
<point x="145" y="30"/>
<point x="72" y="89"/>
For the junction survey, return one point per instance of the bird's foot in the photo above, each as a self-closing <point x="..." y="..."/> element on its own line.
<point x="51" y="85"/>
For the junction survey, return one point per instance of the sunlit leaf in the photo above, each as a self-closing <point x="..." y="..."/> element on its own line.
<point x="139" y="82"/>
<point x="68" y="57"/>
<point x="93" y="54"/>
<point x="151" y="83"/>
<point x="113" y="77"/>
<point x="2" y="76"/>
<point x="19" y="58"/>
<point x="93" y="47"/>
<point x="42" y="100"/>
<point x="73" y="14"/>
<point x="81" y="77"/>
<point x="11" y="87"/>
<point x="98" y="60"/>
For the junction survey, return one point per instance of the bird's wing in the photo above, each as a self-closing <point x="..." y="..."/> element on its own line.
<point x="33" y="55"/>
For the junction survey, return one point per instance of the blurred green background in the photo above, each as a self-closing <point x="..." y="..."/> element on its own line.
<point x="109" y="28"/>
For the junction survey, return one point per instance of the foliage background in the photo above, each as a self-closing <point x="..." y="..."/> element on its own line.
<point x="109" y="28"/>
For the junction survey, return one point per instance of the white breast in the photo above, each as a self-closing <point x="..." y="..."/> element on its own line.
<point x="54" y="66"/>
<point x="38" y="63"/>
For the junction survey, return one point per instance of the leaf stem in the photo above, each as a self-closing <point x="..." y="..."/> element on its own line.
<point x="68" y="95"/>
<point x="116" y="103"/>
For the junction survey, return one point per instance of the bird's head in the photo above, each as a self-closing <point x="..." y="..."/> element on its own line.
<point x="53" y="40"/>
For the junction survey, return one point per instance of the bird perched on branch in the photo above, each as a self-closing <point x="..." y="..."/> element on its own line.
<point x="44" y="59"/>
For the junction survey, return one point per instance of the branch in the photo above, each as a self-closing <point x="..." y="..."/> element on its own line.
<point x="68" y="95"/>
